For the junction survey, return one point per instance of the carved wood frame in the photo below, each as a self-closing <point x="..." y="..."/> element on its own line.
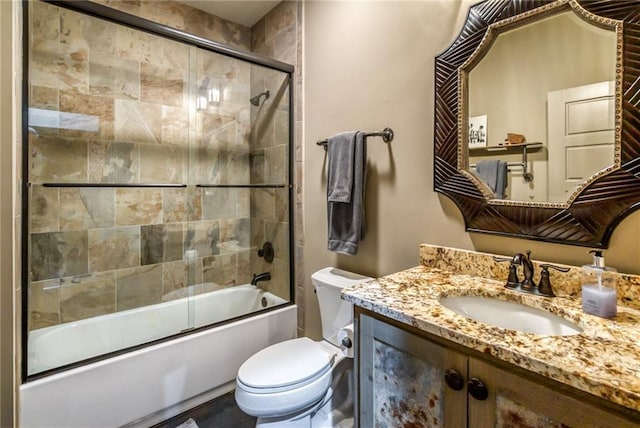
<point x="591" y="216"/>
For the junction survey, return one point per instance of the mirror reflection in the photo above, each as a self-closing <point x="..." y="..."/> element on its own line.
<point x="541" y="109"/>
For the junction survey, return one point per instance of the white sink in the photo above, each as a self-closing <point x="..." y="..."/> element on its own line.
<point x="510" y="315"/>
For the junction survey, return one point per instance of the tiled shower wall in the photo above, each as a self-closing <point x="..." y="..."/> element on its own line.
<point x="101" y="250"/>
<point x="279" y="35"/>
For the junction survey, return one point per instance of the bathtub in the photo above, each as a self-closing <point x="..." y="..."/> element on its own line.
<point x="148" y="385"/>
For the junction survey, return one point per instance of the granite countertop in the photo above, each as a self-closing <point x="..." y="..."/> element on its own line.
<point x="603" y="360"/>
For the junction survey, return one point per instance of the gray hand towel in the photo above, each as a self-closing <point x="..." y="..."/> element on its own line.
<point x="346" y="223"/>
<point x="494" y="173"/>
<point x="501" y="182"/>
<point x="341" y="150"/>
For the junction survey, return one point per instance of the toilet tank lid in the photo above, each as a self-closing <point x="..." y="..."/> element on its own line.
<point x="337" y="277"/>
<point x="286" y="363"/>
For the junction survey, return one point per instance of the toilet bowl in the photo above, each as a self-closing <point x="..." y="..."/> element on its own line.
<point x="295" y="383"/>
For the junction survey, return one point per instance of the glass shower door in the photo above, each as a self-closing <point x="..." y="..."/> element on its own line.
<point x="158" y="172"/>
<point x="109" y="201"/>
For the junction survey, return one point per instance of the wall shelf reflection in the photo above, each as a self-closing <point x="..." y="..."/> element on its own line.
<point x="525" y="147"/>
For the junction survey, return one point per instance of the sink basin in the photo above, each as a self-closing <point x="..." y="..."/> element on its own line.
<point x="510" y="315"/>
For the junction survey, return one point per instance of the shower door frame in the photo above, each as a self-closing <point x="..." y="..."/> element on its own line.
<point x="137" y="23"/>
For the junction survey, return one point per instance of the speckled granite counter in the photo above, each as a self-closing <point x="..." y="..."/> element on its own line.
<point x="603" y="360"/>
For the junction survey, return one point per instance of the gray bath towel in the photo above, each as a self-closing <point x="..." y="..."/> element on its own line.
<point x="341" y="150"/>
<point x="346" y="219"/>
<point x="494" y="173"/>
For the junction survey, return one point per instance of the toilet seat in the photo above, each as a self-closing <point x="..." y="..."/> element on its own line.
<point x="285" y="378"/>
<point x="285" y="365"/>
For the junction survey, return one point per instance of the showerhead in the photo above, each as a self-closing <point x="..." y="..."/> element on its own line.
<point x="256" y="100"/>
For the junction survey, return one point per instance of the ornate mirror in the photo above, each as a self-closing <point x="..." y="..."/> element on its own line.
<point x="536" y="131"/>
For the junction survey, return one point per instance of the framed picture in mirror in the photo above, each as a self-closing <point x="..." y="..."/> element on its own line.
<point x="477" y="132"/>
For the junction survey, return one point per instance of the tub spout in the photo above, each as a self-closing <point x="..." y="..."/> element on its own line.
<point x="265" y="276"/>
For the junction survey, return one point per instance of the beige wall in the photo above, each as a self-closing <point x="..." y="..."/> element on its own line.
<point x="369" y="65"/>
<point x="9" y="206"/>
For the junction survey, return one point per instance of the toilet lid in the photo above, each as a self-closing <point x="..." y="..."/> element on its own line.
<point x="286" y="363"/>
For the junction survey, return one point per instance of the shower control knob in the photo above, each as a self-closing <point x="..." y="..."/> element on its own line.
<point x="267" y="252"/>
<point x="346" y="342"/>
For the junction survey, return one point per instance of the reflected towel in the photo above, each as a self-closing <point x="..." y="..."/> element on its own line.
<point x="494" y="173"/>
<point x="346" y="224"/>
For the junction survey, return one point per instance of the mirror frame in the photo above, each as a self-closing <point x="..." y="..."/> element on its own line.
<point x="591" y="216"/>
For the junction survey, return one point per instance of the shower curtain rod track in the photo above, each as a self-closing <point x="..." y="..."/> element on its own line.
<point x="386" y="134"/>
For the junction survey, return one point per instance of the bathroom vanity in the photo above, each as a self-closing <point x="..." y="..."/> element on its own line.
<point x="421" y="364"/>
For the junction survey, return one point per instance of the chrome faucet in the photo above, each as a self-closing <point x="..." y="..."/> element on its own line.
<point x="527" y="285"/>
<point x="265" y="276"/>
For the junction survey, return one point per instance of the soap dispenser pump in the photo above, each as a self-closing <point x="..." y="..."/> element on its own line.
<point x="599" y="287"/>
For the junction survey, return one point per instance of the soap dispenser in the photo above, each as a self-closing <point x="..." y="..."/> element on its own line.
<point x="599" y="287"/>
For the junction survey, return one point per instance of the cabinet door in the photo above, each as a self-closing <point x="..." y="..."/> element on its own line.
<point x="402" y="379"/>
<point x="517" y="402"/>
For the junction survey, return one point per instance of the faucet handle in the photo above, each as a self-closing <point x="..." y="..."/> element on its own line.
<point x="558" y="268"/>
<point x="544" y="287"/>
<point x="512" y="279"/>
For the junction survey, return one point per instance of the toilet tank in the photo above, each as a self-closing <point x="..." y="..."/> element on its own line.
<point x="335" y="313"/>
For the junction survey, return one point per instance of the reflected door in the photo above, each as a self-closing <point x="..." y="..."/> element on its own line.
<point x="581" y="136"/>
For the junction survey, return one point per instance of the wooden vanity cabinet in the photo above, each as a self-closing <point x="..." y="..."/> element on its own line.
<point x="407" y="380"/>
<point x="401" y="379"/>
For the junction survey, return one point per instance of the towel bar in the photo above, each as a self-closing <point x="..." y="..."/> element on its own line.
<point x="520" y="164"/>
<point x="386" y="134"/>
<point x="528" y="177"/>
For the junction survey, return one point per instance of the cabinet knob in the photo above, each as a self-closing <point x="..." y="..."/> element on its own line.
<point x="478" y="389"/>
<point x="454" y="379"/>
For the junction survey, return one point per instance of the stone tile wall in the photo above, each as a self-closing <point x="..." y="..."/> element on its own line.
<point x="127" y="116"/>
<point x="279" y="35"/>
<point x="269" y="152"/>
<point x="187" y="18"/>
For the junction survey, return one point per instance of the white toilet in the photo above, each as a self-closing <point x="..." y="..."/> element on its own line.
<point x="300" y="382"/>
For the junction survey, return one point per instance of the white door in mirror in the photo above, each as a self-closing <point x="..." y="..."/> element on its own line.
<point x="581" y="123"/>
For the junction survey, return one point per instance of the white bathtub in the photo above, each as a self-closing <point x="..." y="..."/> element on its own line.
<point x="151" y="384"/>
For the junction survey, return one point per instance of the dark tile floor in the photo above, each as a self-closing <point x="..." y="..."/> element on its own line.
<point x="221" y="412"/>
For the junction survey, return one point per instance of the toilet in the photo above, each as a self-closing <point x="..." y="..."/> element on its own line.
<point x="301" y="382"/>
